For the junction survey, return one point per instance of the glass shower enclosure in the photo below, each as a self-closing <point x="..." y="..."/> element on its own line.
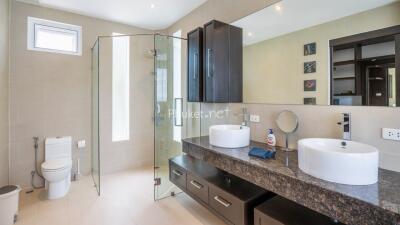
<point x="95" y="151"/>
<point x="158" y="56"/>
<point x="169" y="125"/>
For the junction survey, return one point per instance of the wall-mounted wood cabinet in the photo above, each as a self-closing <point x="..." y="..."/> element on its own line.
<point x="222" y="64"/>
<point x="195" y="65"/>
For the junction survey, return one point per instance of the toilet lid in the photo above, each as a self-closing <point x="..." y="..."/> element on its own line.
<point x="56" y="164"/>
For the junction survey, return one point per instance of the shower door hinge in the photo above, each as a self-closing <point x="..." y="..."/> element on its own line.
<point x="154" y="51"/>
<point x="157" y="181"/>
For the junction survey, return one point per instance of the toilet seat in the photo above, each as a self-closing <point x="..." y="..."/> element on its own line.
<point x="56" y="165"/>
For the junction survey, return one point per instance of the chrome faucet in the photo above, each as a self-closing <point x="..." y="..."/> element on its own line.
<point x="245" y="117"/>
<point x="346" y="125"/>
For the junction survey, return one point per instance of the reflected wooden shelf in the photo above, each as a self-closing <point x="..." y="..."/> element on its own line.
<point x="385" y="57"/>
<point x="349" y="77"/>
<point x="375" y="78"/>
<point x="342" y="63"/>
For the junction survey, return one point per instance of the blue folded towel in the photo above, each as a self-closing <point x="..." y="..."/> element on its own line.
<point x="261" y="153"/>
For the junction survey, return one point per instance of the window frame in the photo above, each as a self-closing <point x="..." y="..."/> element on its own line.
<point x="56" y="27"/>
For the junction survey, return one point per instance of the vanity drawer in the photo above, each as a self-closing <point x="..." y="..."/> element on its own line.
<point x="177" y="175"/>
<point x="198" y="187"/>
<point x="226" y="205"/>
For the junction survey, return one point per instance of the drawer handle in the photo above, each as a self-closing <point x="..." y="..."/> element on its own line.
<point x="196" y="184"/>
<point x="222" y="201"/>
<point x="177" y="173"/>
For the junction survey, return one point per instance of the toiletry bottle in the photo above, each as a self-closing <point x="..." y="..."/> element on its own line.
<point x="271" y="140"/>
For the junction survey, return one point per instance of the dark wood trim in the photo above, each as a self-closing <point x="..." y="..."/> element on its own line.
<point x="357" y="41"/>
<point x="199" y="94"/>
<point x="397" y="65"/>
<point x="358" y="73"/>
<point x="384" y="33"/>
<point x="331" y="76"/>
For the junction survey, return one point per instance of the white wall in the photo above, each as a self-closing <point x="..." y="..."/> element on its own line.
<point x="4" y="89"/>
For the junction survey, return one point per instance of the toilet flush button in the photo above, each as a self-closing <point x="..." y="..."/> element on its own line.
<point x="81" y="143"/>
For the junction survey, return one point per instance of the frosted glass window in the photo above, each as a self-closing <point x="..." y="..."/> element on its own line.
<point x="120" y="88"/>
<point x="51" y="36"/>
<point x="177" y="86"/>
<point x="162" y="83"/>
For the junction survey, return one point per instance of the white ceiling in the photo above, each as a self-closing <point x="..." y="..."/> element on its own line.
<point x="149" y="14"/>
<point x="297" y="15"/>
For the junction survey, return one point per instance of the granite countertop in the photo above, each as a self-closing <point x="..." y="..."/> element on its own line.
<point x="369" y="204"/>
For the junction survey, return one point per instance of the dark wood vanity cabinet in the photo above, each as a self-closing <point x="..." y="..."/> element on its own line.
<point x="177" y="175"/>
<point x="229" y="197"/>
<point x="195" y="65"/>
<point x="223" y="63"/>
<point x="280" y="211"/>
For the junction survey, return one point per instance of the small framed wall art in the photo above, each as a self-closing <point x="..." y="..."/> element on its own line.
<point x="310" y="67"/>
<point x="310" y="101"/>
<point x="310" y="49"/>
<point x="310" y="85"/>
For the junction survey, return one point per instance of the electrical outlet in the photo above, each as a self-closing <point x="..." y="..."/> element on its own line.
<point x="81" y="144"/>
<point x="391" y="134"/>
<point x="255" y="118"/>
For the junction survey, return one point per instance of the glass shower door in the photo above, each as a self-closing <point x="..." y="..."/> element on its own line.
<point x="95" y="150"/>
<point x="168" y="122"/>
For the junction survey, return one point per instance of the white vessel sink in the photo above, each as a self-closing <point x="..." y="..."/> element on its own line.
<point x="229" y="136"/>
<point x="327" y="159"/>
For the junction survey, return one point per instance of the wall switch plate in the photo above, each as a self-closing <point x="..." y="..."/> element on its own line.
<point x="391" y="134"/>
<point x="255" y="118"/>
<point x="81" y="143"/>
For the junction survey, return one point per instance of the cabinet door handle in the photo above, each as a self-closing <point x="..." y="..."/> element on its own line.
<point x="209" y="67"/>
<point x="196" y="184"/>
<point x="195" y="58"/>
<point x="222" y="201"/>
<point x="178" y="173"/>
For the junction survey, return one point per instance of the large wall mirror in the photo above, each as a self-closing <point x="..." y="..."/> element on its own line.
<point x="323" y="52"/>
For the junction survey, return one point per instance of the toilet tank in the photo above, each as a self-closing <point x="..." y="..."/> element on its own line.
<point x="58" y="148"/>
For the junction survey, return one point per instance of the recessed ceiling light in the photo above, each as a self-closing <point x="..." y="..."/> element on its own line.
<point x="278" y="8"/>
<point x="249" y="34"/>
<point x="152" y="5"/>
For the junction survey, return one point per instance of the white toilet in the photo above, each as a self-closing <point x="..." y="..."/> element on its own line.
<point x="56" y="169"/>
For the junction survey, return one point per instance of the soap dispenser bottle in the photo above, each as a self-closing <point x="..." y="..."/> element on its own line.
<point x="271" y="139"/>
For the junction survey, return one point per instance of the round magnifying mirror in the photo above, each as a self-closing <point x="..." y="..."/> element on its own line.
<point x="287" y="122"/>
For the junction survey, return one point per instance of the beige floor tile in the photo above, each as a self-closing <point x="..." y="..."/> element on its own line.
<point x="126" y="199"/>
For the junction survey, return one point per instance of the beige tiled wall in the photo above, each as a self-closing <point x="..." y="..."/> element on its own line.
<point x="321" y="121"/>
<point x="4" y="88"/>
<point x="51" y="93"/>
<point x="138" y="150"/>
<point x="315" y="121"/>
<point x="224" y="10"/>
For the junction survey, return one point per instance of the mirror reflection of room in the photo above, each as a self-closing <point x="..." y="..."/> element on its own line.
<point x="363" y="71"/>
<point x="339" y="53"/>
